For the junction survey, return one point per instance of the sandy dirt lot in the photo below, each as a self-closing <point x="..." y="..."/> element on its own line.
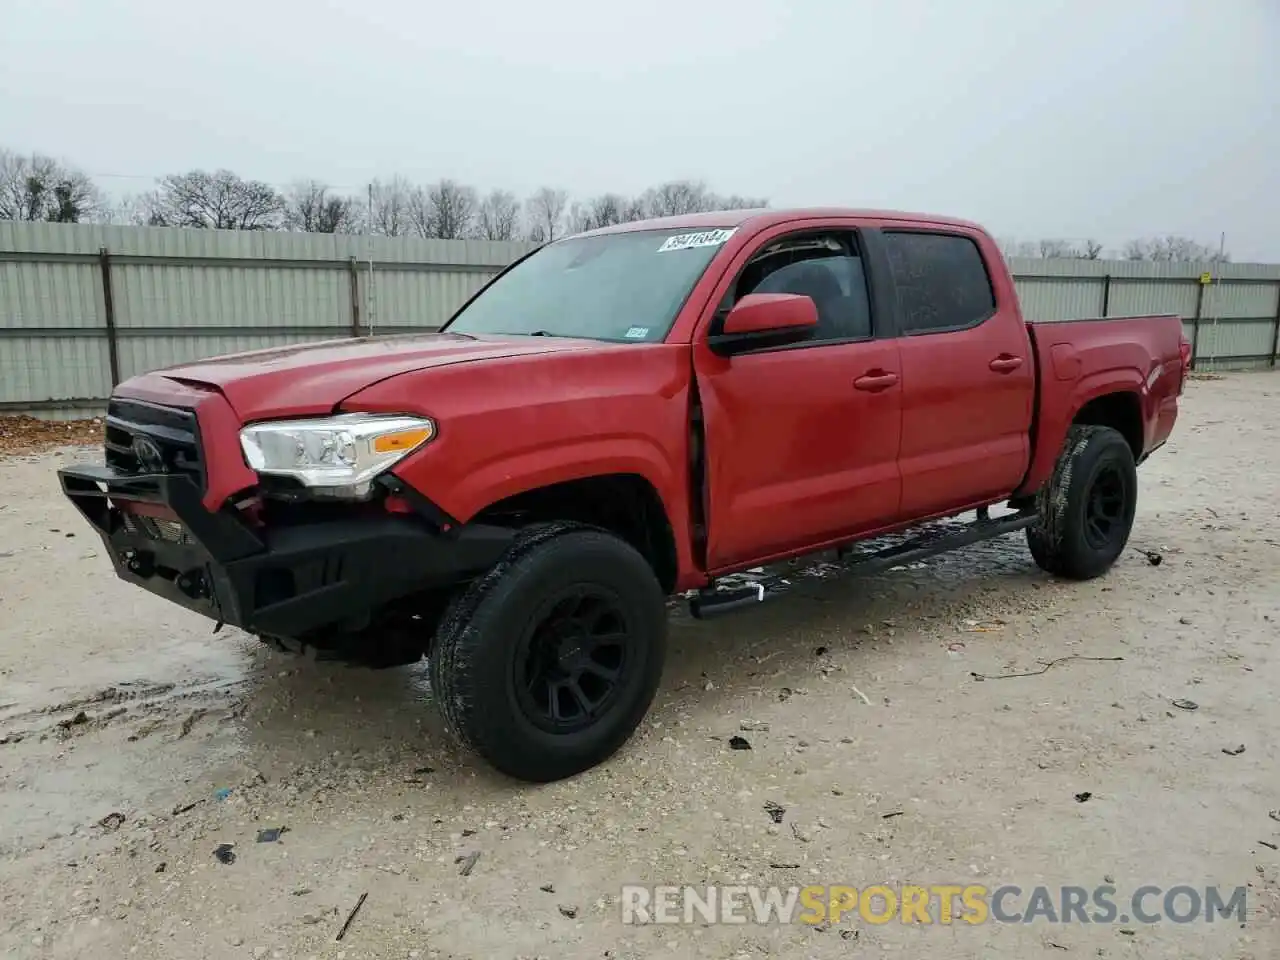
<point x="133" y="742"/>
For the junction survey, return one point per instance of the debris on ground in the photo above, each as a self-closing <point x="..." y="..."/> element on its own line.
<point x="775" y="811"/>
<point x="739" y="743"/>
<point x="1083" y="797"/>
<point x="1185" y="704"/>
<point x="184" y="807"/>
<point x="111" y="822"/>
<point x="858" y="693"/>
<point x="755" y="726"/>
<point x="1153" y="558"/>
<point x="568" y="910"/>
<point x="1274" y="815"/>
<point x="468" y="862"/>
<point x="1269" y="844"/>
<point x="224" y="853"/>
<point x="1233" y="751"/>
<point x="890" y="816"/>
<point x="74" y="721"/>
<point x="271" y="834"/>
<point x="222" y="793"/>
<point x="352" y="915"/>
<point x="189" y="722"/>
<point x="22" y="434"/>
<point x="548" y="888"/>
<point x="1045" y="668"/>
<point x="799" y="834"/>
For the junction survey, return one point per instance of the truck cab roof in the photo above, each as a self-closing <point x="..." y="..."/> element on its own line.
<point x="761" y="218"/>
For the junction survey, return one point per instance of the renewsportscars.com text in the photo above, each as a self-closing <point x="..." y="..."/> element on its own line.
<point x="936" y="903"/>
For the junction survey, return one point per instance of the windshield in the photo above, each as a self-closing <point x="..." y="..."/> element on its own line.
<point x="616" y="286"/>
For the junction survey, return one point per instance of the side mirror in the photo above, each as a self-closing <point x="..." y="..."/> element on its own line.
<point x="765" y="320"/>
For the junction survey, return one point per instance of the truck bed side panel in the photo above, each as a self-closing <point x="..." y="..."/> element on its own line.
<point x="1078" y="361"/>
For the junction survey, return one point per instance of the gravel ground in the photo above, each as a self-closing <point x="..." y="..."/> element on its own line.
<point x="133" y="743"/>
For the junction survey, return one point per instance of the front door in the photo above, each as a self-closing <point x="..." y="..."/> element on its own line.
<point x="802" y="440"/>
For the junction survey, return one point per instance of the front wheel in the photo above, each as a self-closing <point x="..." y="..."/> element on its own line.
<point x="1086" y="509"/>
<point x="547" y="664"/>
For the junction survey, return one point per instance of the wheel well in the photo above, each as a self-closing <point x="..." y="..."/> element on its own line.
<point x="625" y="504"/>
<point x="1121" y="412"/>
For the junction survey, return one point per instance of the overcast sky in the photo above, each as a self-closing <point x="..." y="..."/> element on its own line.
<point x="1040" y="118"/>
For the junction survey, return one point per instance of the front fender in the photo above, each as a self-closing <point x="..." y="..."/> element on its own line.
<point x="519" y="424"/>
<point x="508" y="472"/>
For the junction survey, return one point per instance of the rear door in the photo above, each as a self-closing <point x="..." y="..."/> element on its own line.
<point x="801" y="440"/>
<point x="968" y="376"/>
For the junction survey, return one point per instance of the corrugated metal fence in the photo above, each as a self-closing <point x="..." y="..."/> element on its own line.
<point x="83" y="307"/>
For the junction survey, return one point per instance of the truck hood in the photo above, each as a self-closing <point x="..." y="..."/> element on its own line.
<point x="315" y="378"/>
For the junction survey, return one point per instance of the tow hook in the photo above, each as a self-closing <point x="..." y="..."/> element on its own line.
<point x="139" y="564"/>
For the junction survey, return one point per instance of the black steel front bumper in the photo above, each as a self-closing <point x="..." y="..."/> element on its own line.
<point x="283" y="582"/>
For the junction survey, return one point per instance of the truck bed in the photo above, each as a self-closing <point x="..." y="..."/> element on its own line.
<point x="1078" y="360"/>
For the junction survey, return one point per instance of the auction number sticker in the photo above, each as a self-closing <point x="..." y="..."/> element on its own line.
<point x="687" y="241"/>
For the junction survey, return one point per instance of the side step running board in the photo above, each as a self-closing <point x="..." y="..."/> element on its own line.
<point x="710" y="602"/>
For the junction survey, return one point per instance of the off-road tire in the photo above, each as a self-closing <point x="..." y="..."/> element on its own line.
<point x="1061" y="541"/>
<point x="474" y="659"/>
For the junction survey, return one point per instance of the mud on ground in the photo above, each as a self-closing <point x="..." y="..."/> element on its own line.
<point x="133" y="743"/>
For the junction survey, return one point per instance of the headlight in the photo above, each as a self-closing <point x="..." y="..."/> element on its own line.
<point x="334" y="456"/>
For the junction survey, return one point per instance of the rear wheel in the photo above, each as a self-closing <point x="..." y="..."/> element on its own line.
<point x="1086" y="509"/>
<point x="546" y="665"/>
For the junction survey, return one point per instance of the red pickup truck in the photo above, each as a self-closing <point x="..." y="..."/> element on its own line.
<point x="619" y="417"/>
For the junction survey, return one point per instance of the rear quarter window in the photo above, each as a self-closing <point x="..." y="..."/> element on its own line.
<point x="941" y="281"/>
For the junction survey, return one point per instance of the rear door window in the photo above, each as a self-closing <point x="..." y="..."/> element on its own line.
<point x="941" y="281"/>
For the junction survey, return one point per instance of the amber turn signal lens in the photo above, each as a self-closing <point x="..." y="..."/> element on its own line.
<point x="401" y="440"/>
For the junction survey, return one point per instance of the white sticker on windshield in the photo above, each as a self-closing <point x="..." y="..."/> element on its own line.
<point x="687" y="241"/>
<point x="636" y="333"/>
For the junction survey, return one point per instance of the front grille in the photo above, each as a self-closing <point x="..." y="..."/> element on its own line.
<point x="148" y="438"/>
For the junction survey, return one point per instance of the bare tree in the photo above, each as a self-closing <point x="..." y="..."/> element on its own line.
<point x="1018" y="248"/>
<point x="445" y="210"/>
<point x="309" y="207"/>
<point x="735" y="202"/>
<point x="1055" y="250"/>
<point x="602" y="211"/>
<point x="1172" y="248"/>
<point x="545" y="212"/>
<point x="389" y="207"/>
<point x="1136" y="250"/>
<point x="633" y="210"/>
<point x="220" y="200"/>
<point x="498" y="216"/>
<point x="37" y="187"/>
<point x="678" y="197"/>
<point x="1092" y="250"/>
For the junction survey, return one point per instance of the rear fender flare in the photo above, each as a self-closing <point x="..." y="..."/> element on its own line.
<point x="1056" y="420"/>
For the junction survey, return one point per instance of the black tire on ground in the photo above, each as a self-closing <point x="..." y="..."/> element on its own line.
<point x="1086" y="509"/>
<point x="547" y="664"/>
